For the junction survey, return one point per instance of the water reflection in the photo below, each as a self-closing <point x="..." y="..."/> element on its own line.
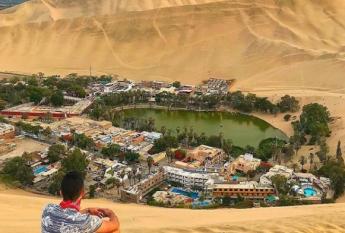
<point x="242" y="129"/>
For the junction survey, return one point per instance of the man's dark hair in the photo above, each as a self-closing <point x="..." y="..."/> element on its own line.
<point x="71" y="186"/>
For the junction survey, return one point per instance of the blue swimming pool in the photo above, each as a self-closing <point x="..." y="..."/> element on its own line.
<point x="40" y="169"/>
<point x="309" y="192"/>
<point x="193" y="195"/>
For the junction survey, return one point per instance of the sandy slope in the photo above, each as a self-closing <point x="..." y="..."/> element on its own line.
<point x="17" y="205"/>
<point x="266" y="43"/>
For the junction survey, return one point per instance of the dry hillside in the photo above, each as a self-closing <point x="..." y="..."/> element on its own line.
<point x="262" y="43"/>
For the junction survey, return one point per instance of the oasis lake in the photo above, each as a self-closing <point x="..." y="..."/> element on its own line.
<point x="240" y="128"/>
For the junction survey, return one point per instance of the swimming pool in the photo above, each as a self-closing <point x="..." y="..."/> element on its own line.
<point x="193" y="195"/>
<point x="40" y="169"/>
<point x="309" y="192"/>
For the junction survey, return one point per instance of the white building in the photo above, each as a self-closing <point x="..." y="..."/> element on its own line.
<point x="186" y="178"/>
<point x="276" y="170"/>
<point x="6" y="131"/>
<point x="151" y="136"/>
<point x="244" y="163"/>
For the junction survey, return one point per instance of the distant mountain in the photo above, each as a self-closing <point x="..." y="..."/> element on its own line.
<point x="8" y="3"/>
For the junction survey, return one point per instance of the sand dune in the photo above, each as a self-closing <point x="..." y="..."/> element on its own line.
<point x="262" y="43"/>
<point x="136" y="218"/>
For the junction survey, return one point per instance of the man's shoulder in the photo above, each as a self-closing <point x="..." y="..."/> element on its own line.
<point x="66" y="220"/>
<point x="50" y="207"/>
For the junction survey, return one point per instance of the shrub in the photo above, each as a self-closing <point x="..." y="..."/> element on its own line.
<point x="287" y="117"/>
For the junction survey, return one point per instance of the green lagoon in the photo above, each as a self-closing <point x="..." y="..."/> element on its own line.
<point x="240" y="128"/>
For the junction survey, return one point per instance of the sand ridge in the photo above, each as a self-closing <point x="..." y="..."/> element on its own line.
<point x="139" y="218"/>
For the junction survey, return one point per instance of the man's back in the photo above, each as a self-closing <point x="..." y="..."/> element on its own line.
<point x="58" y="220"/>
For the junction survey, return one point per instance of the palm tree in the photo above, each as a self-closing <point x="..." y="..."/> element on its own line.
<point x="117" y="183"/>
<point x="169" y="154"/>
<point x="178" y="131"/>
<point x="138" y="176"/>
<point x="130" y="176"/>
<point x="47" y="132"/>
<point x="311" y="159"/>
<point x="163" y="130"/>
<point x="150" y="162"/>
<point x="302" y="161"/>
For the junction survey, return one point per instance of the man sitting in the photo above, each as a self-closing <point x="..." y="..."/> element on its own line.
<point x="68" y="218"/>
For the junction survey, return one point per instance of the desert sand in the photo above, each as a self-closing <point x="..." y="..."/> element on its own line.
<point x="21" y="213"/>
<point x="265" y="43"/>
<point x="24" y="145"/>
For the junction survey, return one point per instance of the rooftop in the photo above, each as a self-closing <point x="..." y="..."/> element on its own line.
<point x="77" y="108"/>
<point x="4" y="128"/>
<point x="182" y="172"/>
<point x="242" y="185"/>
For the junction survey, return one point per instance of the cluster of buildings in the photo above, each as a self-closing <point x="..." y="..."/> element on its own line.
<point x="220" y="184"/>
<point x="32" y="111"/>
<point x="137" y="192"/>
<point x="211" y="86"/>
<point x="214" y="86"/>
<point x="118" y="86"/>
<point x="305" y="186"/>
<point x="202" y="156"/>
<point x="103" y="133"/>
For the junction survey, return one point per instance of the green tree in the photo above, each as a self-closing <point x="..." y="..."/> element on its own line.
<point x="75" y="161"/>
<point x="55" y="184"/>
<point x="323" y="152"/>
<point x="118" y="184"/>
<point x="269" y="147"/>
<point x="110" y="182"/>
<point x="289" y="152"/>
<point x="227" y="146"/>
<point x="57" y="98"/>
<point x="76" y="90"/>
<point x="82" y="141"/>
<point x="3" y="104"/>
<point x="339" y="154"/>
<point x="163" y="143"/>
<point x="47" y="132"/>
<point x="132" y="157"/>
<point x="280" y="183"/>
<point x="302" y="162"/>
<point x="176" y="84"/>
<point x="111" y="151"/>
<point x="98" y="110"/>
<point x="314" y="120"/>
<point x="150" y="162"/>
<point x="336" y="172"/>
<point x="17" y="170"/>
<point x="288" y="104"/>
<point x="169" y="154"/>
<point x="311" y="160"/>
<point x="92" y="191"/>
<point x="56" y="152"/>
